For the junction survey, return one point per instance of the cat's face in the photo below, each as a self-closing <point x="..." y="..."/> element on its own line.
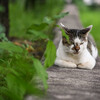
<point x="77" y="40"/>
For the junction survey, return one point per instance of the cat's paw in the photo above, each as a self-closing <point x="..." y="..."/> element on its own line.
<point x="86" y="65"/>
<point x="63" y="63"/>
<point x="70" y="64"/>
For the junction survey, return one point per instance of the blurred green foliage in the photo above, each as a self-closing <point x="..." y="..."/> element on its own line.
<point x="63" y="33"/>
<point x="20" y="72"/>
<point x="2" y="28"/>
<point x="21" y="19"/>
<point x="2" y="9"/>
<point x="38" y="30"/>
<point x="50" y="54"/>
<point x="19" y="69"/>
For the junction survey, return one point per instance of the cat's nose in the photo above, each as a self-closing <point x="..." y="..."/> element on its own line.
<point x="77" y="48"/>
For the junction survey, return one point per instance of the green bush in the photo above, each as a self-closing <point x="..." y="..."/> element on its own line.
<point x="19" y="71"/>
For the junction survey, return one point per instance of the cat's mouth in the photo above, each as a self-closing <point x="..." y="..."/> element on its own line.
<point x="76" y="52"/>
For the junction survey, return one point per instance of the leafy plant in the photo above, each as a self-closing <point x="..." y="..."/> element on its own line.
<point x="21" y="19"/>
<point x="50" y="54"/>
<point x="3" y="37"/>
<point x="61" y="15"/>
<point x="2" y="28"/>
<point x="38" y="30"/>
<point x="37" y="34"/>
<point x="18" y="72"/>
<point x="41" y="72"/>
<point x="38" y="27"/>
<point x="63" y="33"/>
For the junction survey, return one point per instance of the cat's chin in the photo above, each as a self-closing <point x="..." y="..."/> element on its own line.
<point x="76" y="53"/>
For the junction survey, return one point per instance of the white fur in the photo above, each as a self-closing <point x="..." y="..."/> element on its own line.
<point x="77" y="40"/>
<point x="94" y="52"/>
<point x="67" y="58"/>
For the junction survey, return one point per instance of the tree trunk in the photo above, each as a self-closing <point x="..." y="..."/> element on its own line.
<point x="4" y="16"/>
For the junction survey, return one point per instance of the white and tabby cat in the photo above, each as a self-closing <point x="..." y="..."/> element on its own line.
<point x="79" y="51"/>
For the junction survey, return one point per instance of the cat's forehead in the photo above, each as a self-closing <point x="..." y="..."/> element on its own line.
<point x="77" y="40"/>
<point x="74" y="30"/>
<point x="74" y="33"/>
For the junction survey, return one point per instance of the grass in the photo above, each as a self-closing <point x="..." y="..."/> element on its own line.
<point x="20" y="19"/>
<point x="90" y="16"/>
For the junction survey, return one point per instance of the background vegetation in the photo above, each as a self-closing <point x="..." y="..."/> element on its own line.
<point x="31" y="28"/>
<point x="21" y="19"/>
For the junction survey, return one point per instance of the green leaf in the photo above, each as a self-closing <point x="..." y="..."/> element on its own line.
<point x="50" y="54"/>
<point x="3" y="37"/>
<point x="2" y="28"/>
<point x="38" y="27"/>
<point x="63" y="33"/>
<point x="8" y="46"/>
<point x="1" y="98"/>
<point x="48" y="20"/>
<point x="37" y="34"/>
<point x="14" y="83"/>
<point x="41" y="72"/>
<point x="61" y="15"/>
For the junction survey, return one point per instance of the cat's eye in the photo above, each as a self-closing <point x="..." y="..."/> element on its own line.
<point x="81" y="43"/>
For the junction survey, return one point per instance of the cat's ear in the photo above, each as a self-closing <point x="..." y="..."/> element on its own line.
<point x="86" y="31"/>
<point x="64" y="28"/>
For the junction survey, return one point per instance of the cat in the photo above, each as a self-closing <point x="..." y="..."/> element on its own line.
<point x="79" y="51"/>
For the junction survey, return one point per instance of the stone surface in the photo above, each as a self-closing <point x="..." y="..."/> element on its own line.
<point x="70" y="84"/>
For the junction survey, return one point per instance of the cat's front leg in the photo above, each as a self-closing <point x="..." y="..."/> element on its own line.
<point x="63" y="63"/>
<point x="87" y="65"/>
